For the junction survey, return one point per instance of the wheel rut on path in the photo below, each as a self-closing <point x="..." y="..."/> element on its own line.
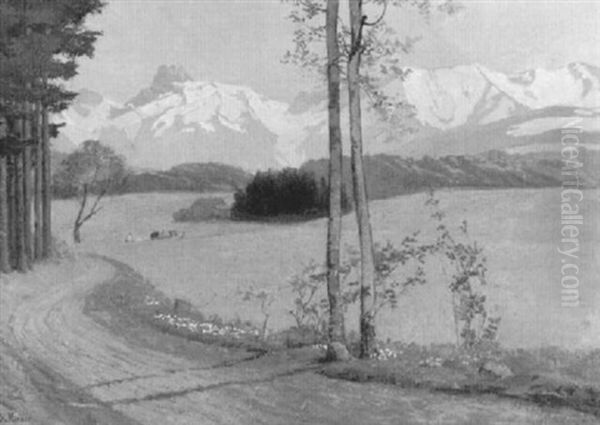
<point x="115" y="381"/>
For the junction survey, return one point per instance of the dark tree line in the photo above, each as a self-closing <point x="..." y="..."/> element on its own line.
<point x="40" y="42"/>
<point x="289" y="192"/>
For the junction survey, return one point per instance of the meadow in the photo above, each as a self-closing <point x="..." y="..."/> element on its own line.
<point x="518" y="228"/>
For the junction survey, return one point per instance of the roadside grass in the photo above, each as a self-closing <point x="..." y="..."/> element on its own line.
<point x="549" y="376"/>
<point x="131" y="307"/>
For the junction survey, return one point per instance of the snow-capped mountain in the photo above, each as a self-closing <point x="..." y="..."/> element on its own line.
<point x="448" y="98"/>
<point x="177" y="119"/>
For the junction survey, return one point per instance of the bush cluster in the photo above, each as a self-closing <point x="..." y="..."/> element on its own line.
<point x="203" y="209"/>
<point x="289" y="192"/>
<point x="397" y="269"/>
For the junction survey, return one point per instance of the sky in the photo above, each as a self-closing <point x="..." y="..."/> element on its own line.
<point x="243" y="41"/>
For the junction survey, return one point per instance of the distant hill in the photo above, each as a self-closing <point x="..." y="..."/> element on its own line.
<point x="209" y="177"/>
<point x="389" y="175"/>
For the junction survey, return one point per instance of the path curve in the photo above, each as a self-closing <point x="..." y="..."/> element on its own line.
<point x="138" y="385"/>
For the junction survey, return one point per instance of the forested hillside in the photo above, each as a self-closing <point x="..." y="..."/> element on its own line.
<point x="389" y="176"/>
<point x="209" y="177"/>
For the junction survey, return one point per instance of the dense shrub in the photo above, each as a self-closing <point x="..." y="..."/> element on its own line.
<point x="396" y="270"/>
<point x="289" y="192"/>
<point x="474" y="326"/>
<point x="203" y="209"/>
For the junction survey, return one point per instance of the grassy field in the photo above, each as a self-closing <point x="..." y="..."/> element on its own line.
<point x="519" y="228"/>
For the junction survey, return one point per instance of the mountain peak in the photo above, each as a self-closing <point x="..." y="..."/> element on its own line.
<point x="467" y="108"/>
<point x="163" y="82"/>
<point x="166" y="75"/>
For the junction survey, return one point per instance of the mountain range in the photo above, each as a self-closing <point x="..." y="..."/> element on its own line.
<point x="462" y="110"/>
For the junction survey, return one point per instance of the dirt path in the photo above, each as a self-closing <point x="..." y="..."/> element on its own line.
<point x="83" y="373"/>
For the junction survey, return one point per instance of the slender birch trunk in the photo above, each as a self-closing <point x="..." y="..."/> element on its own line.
<point x="4" y="244"/>
<point x="38" y="171"/>
<point x="27" y="189"/>
<point x="46" y="188"/>
<point x="21" y="255"/>
<point x="367" y="275"/>
<point x="12" y="226"/>
<point x="334" y="223"/>
<point x="27" y="192"/>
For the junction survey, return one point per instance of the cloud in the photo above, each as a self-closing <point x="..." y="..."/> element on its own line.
<point x="242" y="42"/>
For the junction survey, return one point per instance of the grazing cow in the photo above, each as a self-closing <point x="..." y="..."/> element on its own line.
<point x="166" y="234"/>
<point x="176" y="234"/>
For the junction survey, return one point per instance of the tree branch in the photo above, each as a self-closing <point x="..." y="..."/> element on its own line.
<point x="95" y="207"/>
<point x="82" y="204"/>
<point x="91" y="214"/>
<point x="379" y="19"/>
<point x="357" y="42"/>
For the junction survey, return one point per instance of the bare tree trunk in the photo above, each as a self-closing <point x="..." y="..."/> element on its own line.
<point x="12" y="240"/>
<point x="82" y="216"/>
<point x="79" y="220"/>
<point x="21" y="255"/>
<point x="26" y="133"/>
<point x="77" y="232"/>
<point x="27" y="189"/>
<point x="4" y="244"/>
<point x="27" y="234"/>
<point x="334" y="223"/>
<point x="37" y="199"/>
<point x="367" y="275"/>
<point x="46" y="188"/>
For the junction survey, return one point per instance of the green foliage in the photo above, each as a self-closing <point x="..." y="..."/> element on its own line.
<point x="381" y="49"/>
<point x="264" y="298"/>
<point x="396" y="270"/>
<point x="40" y="42"/>
<point x="311" y="310"/>
<point x="474" y="326"/>
<point x="289" y="192"/>
<point x="399" y="268"/>
<point x="93" y="168"/>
